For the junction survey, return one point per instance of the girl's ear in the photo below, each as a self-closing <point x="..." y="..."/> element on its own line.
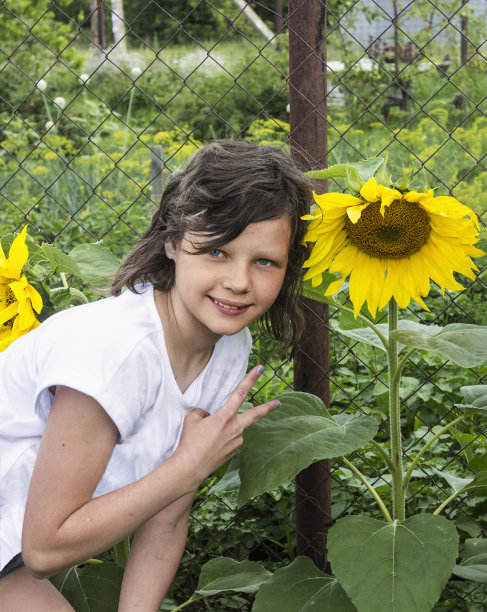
<point x="170" y="250"/>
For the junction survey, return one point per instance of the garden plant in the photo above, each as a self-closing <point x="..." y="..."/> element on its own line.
<point x="392" y="240"/>
<point x="75" y="161"/>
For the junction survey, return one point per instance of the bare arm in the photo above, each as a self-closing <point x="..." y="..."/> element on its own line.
<point x="154" y="558"/>
<point x="64" y="526"/>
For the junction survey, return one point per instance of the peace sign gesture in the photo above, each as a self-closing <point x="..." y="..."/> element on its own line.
<point x="207" y="441"/>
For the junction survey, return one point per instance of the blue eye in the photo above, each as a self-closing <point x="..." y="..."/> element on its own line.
<point x="264" y="262"/>
<point x="215" y="253"/>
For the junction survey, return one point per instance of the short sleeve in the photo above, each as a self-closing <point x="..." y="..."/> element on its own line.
<point x="92" y="351"/>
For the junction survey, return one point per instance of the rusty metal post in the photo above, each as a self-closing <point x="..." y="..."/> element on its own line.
<point x="98" y="28"/>
<point x="307" y="85"/>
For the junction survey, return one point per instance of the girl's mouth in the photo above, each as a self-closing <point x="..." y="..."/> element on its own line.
<point x="231" y="308"/>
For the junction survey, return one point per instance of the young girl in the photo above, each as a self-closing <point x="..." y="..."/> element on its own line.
<point x="113" y="413"/>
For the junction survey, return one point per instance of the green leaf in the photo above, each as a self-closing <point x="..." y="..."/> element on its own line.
<point x="475" y="397"/>
<point x="225" y="574"/>
<point x="479" y="482"/>
<point x="301" y="587"/>
<point x="363" y="170"/>
<point x="95" y="261"/>
<point x="455" y="482"/>
<point x="368" y="336"/>
<point x="336" y="171"/>
<point x="395" y="566"/>
<point x="368" y="168"/>
<point x="60" y="262"/>
<point x="92" y="587"/>
<point x="292" y="437"/>
<point x="382" y="176"/>
<point x="463" y="344"/>
<point x="61" y="298"/>
<point x="354" y="182"/>
<point x="474" y="562"/>
<point x="230" y="481"/>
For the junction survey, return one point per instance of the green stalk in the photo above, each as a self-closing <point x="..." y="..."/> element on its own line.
<point x="447" y="501"/>
<point x="383" y="453"/>
<point x="365" y="320"/>
<point x="404" y="359"/>
<point x="377" y="497"/>
<point x="289" y="539"/>
<point x="191" y="600"/>
<point x="433" y="439"/>
<point x="398" y="499"/>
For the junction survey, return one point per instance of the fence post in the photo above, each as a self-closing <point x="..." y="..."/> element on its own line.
<point x="156" y="169"/>
<point x="98" y="28"/>
<point x="308" y="137"/>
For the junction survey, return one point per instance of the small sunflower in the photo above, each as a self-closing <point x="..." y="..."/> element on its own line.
<point x="392" y="244"/>
<point x="18" y="299"/>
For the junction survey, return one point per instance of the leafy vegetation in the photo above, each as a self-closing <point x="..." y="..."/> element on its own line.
<point x="79" y="171"/>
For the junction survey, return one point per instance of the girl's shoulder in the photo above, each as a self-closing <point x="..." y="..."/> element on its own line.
<point x="129" y="313"/>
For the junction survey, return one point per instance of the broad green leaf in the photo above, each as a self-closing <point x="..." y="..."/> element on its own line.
<point x="301" y="587"/>
<point x="368" y="168"/>
<point x="61" y="298"/>
<point x="393" y="567"/>
<point x="91" y="588"/>
<point x="225" y="574"/>
<point x="230" y="481"/>
<point x="59" y="261"/>
<point x="479" y="482"/>
<point x="474" y="562"/>
<point x="292" y="437"/>
<point x="455" y="482"/>
<point x="95" y="261"/>
<point x="368" y="336"/>
<point x="478" y="463"/>
<point x="475" y="398"/>
<point x="348" y="321"/>
<point x="463" y="344"/>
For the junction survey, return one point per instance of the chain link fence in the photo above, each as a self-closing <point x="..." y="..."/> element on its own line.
<point x="100" y="102"/>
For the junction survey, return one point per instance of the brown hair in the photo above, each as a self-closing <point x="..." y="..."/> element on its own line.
<point x="226" y="186"/>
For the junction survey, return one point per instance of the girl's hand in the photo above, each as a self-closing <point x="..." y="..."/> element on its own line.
<point x="208" y="441"/>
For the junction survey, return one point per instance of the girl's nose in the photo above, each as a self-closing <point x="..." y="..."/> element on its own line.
<point x="237" y="278"/>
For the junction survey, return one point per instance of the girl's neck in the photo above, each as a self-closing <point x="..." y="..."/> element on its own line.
<point x="188" y="350"/>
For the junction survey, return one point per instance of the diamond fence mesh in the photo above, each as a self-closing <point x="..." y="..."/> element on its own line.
<point x="100" y="102"/>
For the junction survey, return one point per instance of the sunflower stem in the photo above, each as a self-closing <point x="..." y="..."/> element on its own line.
<point x="398" y="499"/>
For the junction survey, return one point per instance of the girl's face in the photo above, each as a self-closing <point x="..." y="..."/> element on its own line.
<point x="220" y="292"/>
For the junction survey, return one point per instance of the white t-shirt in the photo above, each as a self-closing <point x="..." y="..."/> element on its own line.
<point x="114" y="351"/>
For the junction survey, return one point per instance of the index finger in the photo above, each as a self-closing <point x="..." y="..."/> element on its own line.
<point x="237" y="398"/>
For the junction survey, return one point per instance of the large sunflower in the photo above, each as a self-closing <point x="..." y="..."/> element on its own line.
<point x="18" y="299"/>
<point x="391" y="244"/>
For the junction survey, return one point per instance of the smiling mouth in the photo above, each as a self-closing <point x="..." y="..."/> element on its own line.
<point x="231" y="306"/>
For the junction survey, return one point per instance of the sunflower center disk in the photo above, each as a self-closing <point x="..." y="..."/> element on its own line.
<point x="401" y="232"/>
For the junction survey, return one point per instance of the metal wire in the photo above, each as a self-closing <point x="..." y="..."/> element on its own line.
<point x="73" y="195"/>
